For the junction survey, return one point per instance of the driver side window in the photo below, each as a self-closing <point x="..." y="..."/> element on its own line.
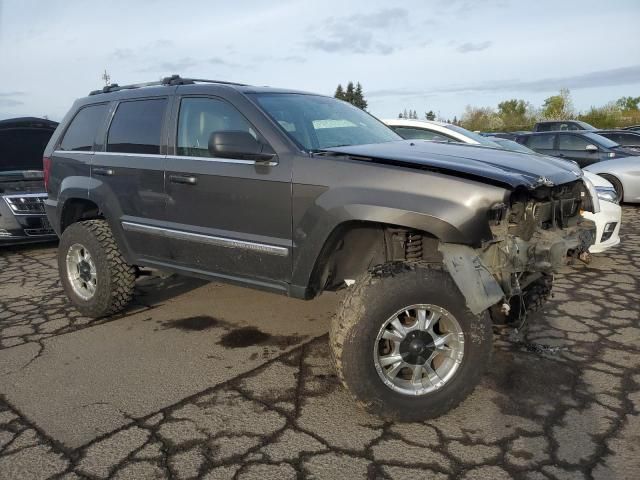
<point x="199" y="118"/>
<point x="572" y="142"/>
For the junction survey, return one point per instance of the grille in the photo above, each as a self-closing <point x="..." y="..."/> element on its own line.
<point x="27" y="204"/>
<point x="40" y="228"/>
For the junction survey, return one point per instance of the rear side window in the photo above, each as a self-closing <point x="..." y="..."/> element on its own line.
<point x="410" y="133"/>
<point x="81" y="134"/>
<point x="540" y="142"/>
<point x="624" y="138"/>
<point x="572" y="142"/>
<point x="545" y="127"/>
<point x="137" y="127"/>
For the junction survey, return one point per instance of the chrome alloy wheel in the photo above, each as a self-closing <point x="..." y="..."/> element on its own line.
<point x="81" y="271"/>
<point x="418" y="349"/>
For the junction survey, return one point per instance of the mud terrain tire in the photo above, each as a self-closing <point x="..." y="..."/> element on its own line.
<point x="115" y="278"/>
<point x="369" y="303"/>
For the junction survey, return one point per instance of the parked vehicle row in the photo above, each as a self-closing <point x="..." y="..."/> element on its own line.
<point x="596" y="153"/>
<point x="22" y="215"/>
<point x="299" y="193"/>
<point x="607" y="220"/>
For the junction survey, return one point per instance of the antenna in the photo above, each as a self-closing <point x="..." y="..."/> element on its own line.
<point x="106" y="77"/>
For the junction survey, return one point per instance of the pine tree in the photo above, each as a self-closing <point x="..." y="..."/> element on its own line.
<point x="400" y="115"/>
<point x="358" y="97"/>
<point x="349" y="94"/>
<point x="455" y="120"/>
<point x="415" y="115"/>
<point x="430" y="115"/>
<point x="405" y="114"/>
<point x="339" y="92"/>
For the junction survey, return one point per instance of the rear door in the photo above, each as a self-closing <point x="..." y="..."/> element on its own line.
<point x="573" y="147"/>
<point x="129" y="174"/>
<point x="73" y="153"/>
<point x="227" y="217"/>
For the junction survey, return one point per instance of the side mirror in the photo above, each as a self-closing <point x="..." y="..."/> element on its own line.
<point x="591" y="148"/>
<point x="238" y="144"/>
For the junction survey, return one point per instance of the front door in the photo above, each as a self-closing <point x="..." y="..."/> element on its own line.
<point x="129" y="175"/>
<point x="573" y="147"/>
<point x="228" y="217"/>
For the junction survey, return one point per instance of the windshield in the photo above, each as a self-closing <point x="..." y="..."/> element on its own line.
<point x="315" y="122"/>
<point x="511" y="145"/>
<point x="599" y="139"/>
<point x="22" y="149"/>
<point x="473" y="136"/>
<point x="585" y="125"/>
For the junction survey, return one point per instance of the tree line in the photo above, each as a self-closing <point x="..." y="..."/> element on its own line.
<point x="518" y="114"/>
<point x="352" y="94"/>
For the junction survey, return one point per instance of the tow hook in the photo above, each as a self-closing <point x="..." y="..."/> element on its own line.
<point x="585" y="257"/>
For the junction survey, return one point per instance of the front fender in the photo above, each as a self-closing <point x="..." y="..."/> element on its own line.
<point x="454" y="212"/>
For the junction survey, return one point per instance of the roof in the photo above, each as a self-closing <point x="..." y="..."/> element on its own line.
<point x="28" y="122"/>
<point x="439" y="127"/>
<point x="406" y="122"/>
<point x="175" y="80"/>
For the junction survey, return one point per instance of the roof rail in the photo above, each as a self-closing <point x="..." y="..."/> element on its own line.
<point x="168" y="81"/>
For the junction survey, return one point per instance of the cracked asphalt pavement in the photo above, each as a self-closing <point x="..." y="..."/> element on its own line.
<point x="200" y="380"/>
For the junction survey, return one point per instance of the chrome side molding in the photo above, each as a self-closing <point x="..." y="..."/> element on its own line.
<point x="208" y="239"/>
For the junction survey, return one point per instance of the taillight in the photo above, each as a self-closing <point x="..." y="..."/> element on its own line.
<point x="46" y="170"/>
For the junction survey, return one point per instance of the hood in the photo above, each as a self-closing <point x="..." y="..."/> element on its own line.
<point x="504" y="167"/>
<point x="22" y="144"/>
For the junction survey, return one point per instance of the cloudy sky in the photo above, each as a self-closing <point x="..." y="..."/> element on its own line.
<point x="422" y="55"/>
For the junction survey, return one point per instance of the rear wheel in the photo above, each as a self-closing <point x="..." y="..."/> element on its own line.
<point x="617" y="185"/>
<point x="93" y="272"/>
<point x="405" y="345"/>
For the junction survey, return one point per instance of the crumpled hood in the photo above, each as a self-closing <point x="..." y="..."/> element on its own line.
<point x="501" y="166"/>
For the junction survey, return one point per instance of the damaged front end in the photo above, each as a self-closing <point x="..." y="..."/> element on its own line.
<point x="534" y="234"/>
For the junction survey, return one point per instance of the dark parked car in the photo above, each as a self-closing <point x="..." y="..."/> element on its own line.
<point x="633" y="128"/>
<point x="560" y="125"/>
<point x="583" y="147"/>
<point x="627" y="139"/>
<point x="298" y="193"/>
<point x="22" y="215"/>
<point x="505" y="135"/>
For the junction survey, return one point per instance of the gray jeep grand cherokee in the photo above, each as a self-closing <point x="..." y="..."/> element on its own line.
<point x="299" y="193"/>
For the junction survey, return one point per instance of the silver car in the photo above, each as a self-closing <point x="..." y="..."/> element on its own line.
<point x="624" y="174"/>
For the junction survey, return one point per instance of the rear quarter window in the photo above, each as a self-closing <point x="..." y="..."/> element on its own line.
<point x="81" y="133"/>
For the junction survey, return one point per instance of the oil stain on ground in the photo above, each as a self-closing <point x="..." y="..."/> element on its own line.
<point x="250" y="336"/>
<point x="190" y="324"/>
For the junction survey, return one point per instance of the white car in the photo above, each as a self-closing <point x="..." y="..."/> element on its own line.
<point x="437" y="132"/>
<point x="607" y="220"/>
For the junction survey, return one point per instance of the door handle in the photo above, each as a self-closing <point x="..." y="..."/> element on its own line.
<point x="184" y="179"/>
<point x="107" y="172"/>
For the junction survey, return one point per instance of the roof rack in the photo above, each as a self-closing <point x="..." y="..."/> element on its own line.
<point x="167" y="81"/>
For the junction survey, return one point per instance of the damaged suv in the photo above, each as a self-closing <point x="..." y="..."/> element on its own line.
<point x="299" y="193"/>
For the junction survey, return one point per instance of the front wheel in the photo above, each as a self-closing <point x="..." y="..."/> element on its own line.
<point x="617" y="185"/>
<point x="406" y="346"/>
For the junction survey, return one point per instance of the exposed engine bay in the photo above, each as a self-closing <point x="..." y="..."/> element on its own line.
<point x="536" y="234"/>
